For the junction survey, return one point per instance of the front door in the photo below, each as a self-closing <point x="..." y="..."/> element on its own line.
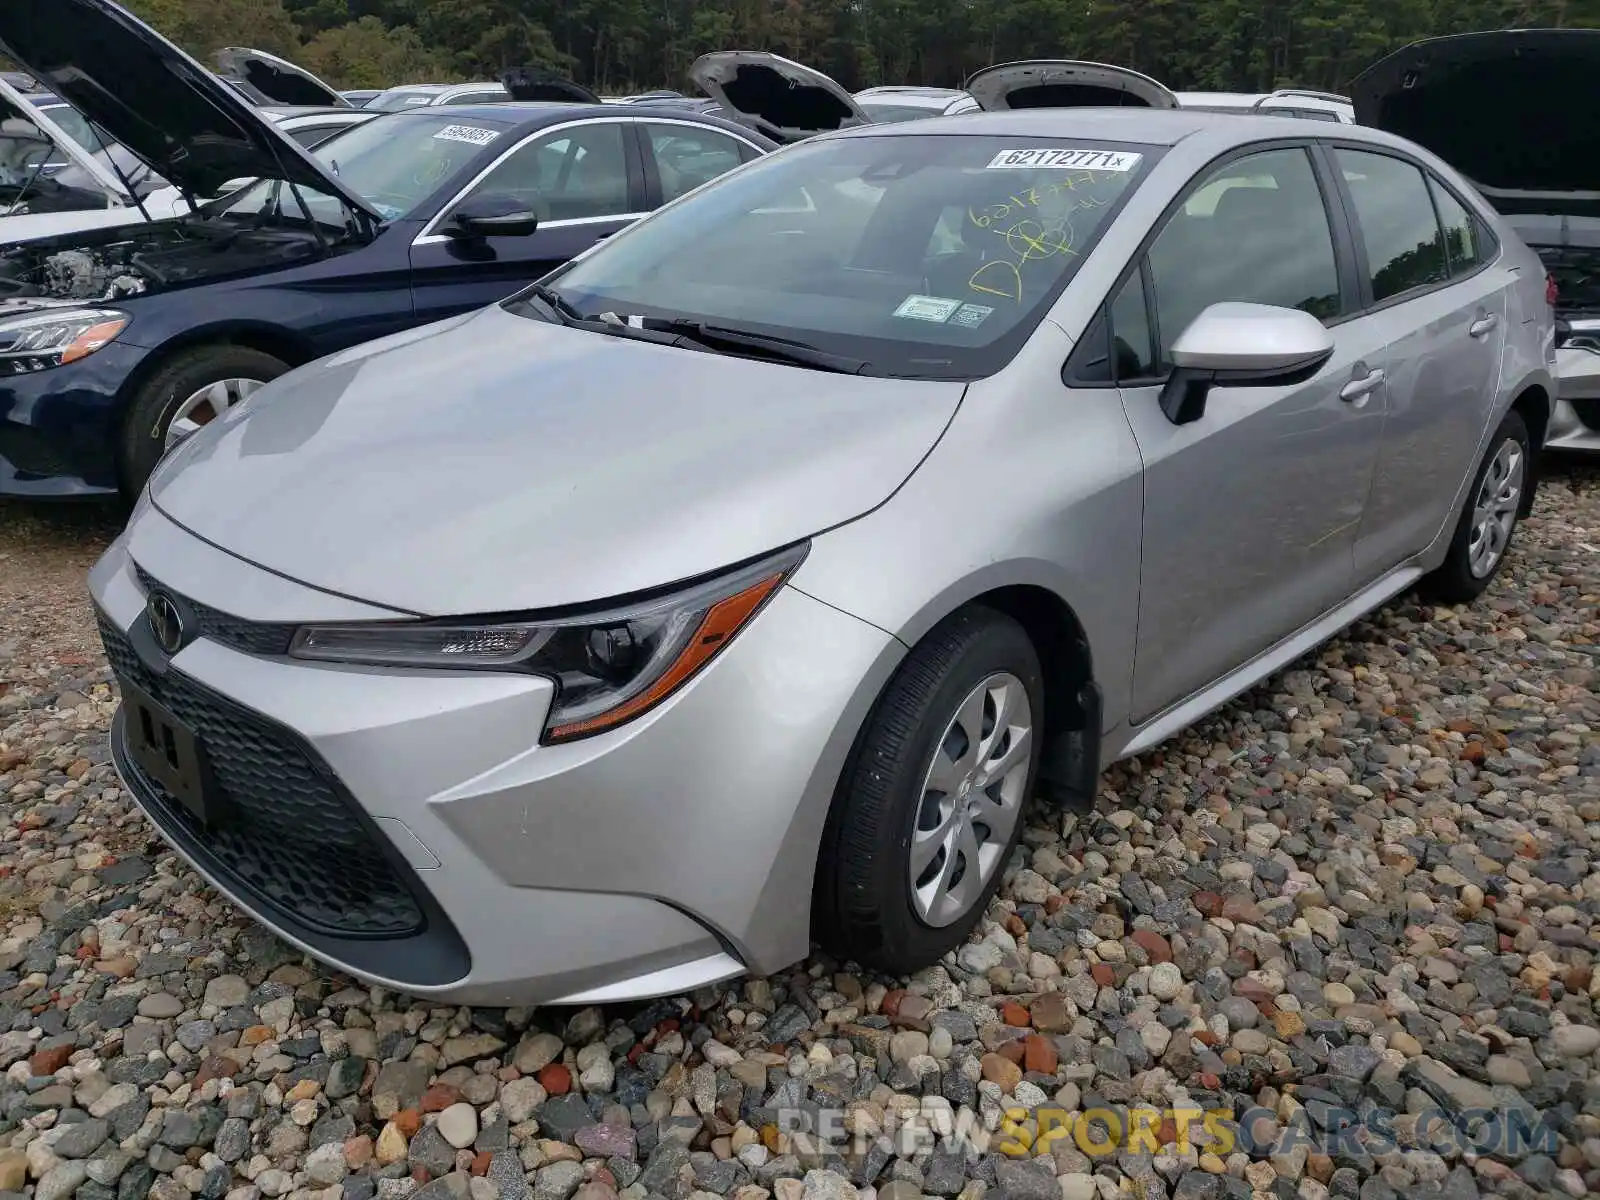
<point x="583" y="179"/>
<point x="1426" y="269"/>
<point x="1251" y="512"/>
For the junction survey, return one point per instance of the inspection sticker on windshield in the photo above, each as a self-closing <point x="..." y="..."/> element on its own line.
<point x="472" y="134"/>
<point x="927" y="308"/>
<point x="970" y="316"/>
<point x="1054" y="158"/>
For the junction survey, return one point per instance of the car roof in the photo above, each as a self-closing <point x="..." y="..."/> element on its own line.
<point x="1148" y="126"/>
<point x="534" y="114"/>
<point x="283" y="111"/>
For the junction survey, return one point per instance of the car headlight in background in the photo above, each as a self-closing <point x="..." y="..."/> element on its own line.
<point x="608" y="667"/>
<point x="52" y="338"/>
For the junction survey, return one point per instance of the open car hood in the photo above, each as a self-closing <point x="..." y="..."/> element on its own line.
<point x="535" y="84"/>
<point x="1511" y="109"/>
<point x="1065" y="83"/>
<point x="15" y="107"/>
<point x="784" y="100"/>
<point x="268" y="79"/>
<point x="192" y="128"/>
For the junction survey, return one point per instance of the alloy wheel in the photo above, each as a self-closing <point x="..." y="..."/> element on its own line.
<point x="207" y="404"/>
<point x="1494" y="514"/>
<point x="972" y="798"/>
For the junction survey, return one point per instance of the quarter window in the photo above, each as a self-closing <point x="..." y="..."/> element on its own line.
<point x="686" y="157"/>
<point x="1405" y="249"/>
<point x="576" y="173"/>
<point x="1463" y="253"/>
<point x="1255" y="230"/>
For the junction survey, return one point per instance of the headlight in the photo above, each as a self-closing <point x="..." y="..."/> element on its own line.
<point x="49" y="339"/>
<point x="608" y="667"/>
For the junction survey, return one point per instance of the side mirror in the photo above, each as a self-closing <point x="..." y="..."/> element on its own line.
<point x="1242" y="345"/>
<point x="491" y="216"/>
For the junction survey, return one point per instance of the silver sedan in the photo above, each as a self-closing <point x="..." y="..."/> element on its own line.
<point x="739" y="586"/>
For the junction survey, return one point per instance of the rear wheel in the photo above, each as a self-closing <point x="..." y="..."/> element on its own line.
<point x="189" y="390"/>
<point x="930" y="805"/>
<point x="1489" y="518"/>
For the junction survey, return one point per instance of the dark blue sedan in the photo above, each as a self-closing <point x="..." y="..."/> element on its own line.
<point x="115" y="343"/>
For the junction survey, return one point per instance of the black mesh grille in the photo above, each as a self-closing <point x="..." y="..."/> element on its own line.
<point x="1588" y="412"/>
<point x="248" y="637"/>
<point x="292" y="837"/>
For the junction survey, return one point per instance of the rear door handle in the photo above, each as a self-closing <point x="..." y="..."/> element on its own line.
<point x="1357" y="390"/>
<point x="1482" y="325"/>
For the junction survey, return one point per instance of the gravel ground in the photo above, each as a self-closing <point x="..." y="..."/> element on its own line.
<point x="1356" y="911"/>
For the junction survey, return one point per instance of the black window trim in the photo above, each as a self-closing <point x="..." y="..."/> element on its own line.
<point x="1338" y="231"/>
<point x="1347" y="201"/>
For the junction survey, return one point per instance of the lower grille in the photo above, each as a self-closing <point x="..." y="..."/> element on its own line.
<point x="1588" y="412"/>
<point x="293" y="839"/>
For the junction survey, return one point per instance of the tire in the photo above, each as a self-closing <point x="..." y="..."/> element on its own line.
<point x="864" y="908"/>
<point x="1502" y="479"/>
<point x="153" y="405"/>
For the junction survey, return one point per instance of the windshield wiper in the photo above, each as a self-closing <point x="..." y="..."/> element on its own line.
<point x="569" y="316"/>
<point x="782" y="349"/>
<point x="560" y="305"/>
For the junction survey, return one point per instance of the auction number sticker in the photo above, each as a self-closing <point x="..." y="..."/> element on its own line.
<point x="1055" y="158"/>
<point x="471" y="134"/>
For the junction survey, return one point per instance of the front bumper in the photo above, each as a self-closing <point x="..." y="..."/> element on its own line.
<point x="407" y="828"/>
<point x="59" y="428"/>
<point x="1575" y="416"/>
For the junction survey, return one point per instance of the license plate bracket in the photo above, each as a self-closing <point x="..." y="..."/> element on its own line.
<point x="168" y="751"/>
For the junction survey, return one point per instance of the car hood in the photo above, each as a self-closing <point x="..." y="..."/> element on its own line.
<point x="496" y="463"/>
<point x="536" y="85"/>
<point x="1065" y="83"/>
<point x="1511" y="109"/>
<point x="193" y="129"/>
<point x="786" y="100"/>
<point x="275" y="80"/>
<point x="16" y="111"/>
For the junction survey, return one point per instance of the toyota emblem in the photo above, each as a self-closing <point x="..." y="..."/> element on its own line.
<point x="166" y="622"/>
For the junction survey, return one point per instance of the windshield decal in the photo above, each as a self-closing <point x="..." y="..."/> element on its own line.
<point x="1048" y="157"/>
<point x="927" y="308"/>
<point x="473" y="135"/>
<point x="970" y="316"/>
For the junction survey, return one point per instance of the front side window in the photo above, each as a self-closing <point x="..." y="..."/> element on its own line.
<point x="1255" y="230"/>
<point x="576" y="173"/>
<point x="686" y="157"/>
<point x="1405" y="248"/>
<point x="925" y="256"/>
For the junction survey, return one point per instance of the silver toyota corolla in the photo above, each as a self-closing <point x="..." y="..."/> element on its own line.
<point x="737" y="587"/>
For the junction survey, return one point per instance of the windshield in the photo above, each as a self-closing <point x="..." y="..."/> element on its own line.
<point x="924" y="255"/>
<point x="880" y="110"/>
<point x="393" y="163"/>
<point x="75" y="125"/>
<point x="395" y="101"/>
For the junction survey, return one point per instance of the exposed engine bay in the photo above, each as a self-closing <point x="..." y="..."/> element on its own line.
<point x="1569" y="247"/>
<point x="154" y="257"/>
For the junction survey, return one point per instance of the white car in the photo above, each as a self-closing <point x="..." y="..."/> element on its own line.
<point x="58" y="174"/>
<point x="1285" y="102"/>
<point x="912" y="103"/>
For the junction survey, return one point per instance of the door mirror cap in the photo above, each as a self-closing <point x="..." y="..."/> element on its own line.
<point x="1242" y="345"/>
<point x="491" y="216"/>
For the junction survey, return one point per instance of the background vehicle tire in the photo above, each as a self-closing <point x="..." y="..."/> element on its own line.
<point x="189" y="387"/>
<point x="935" y="785"/>
<point x="1488" y="519"/>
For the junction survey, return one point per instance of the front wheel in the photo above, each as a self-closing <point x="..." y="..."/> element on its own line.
<point x="1489" y="518"/>
<point x="191" y="389"/>
<point x="930" y="805"/>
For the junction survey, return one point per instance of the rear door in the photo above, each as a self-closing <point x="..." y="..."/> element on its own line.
<point x="1431" y="270"/>
<point x="679" y="156"/>
<point x="585" y="180"/>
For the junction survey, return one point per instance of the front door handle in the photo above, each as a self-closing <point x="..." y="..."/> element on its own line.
<point x="1357" y="390"/>
<point x="1482" y="325"/>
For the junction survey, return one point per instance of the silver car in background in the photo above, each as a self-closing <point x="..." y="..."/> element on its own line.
<point x="640" y="630"/>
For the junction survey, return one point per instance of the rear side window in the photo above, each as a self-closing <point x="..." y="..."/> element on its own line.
<point x="1464" y="251"/>
<point x="1405" y="247"/>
